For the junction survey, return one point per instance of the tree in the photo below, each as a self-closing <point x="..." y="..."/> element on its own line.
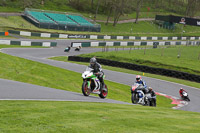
<point x="120" y="7"/>
<point x="42" y="2"/>
<point x="139" y="3"/>
<point x="118" y="11"/>
<point x="27" y="3"/>
<point x="110" y="7"/>
<point x="192" y="7"/>
<point x="95" y="16"/>
<point x="92" y="5"/>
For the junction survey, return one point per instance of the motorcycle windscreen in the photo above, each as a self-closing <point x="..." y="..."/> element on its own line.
<point x="89" y="69"/>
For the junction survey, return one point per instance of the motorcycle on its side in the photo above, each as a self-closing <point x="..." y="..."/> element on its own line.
<point x="91" y="84"/>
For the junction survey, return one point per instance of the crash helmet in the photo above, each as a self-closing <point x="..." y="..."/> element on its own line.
<point x="93" y="61"/>
<point x="150" y="88"/>
<point x="181" y="89"/>
<point x="138" y="78"/>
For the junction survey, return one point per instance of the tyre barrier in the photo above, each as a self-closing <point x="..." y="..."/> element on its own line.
<point x="105" y="37"/>
<point x="28" y="43"/>
<point x="142" y="68"/>
<point x="135" y="43"/>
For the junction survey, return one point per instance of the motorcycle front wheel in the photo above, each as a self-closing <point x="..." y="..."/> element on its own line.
<point x="85" y="90"/>
<point x="134" y="98"/>
<point x="188" y="99"/>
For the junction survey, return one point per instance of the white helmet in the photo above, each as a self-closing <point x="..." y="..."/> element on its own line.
<point x="138" y="78"/>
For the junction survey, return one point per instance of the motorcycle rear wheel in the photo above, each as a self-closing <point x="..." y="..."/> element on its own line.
<point x="152" y="103"/>
<point x="85" y="90"/>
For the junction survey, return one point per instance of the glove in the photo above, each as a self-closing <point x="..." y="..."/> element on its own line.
<point x="97" y="73"/>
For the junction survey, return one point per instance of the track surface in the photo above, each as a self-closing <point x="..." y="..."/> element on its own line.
<point x="40" y="55"/>
<point x="13" y="90"/>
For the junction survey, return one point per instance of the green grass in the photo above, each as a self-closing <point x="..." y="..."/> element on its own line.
<point x="143" y="14"/>
<point x="147" y="28"/>
<point x="81" y="117"/>
<point x="18" y="46"/>
<point x="10" y="9"/>
<point x="180" y="81"/>
<point x="7" y="37"/>
<point x="19" y="69"/>
<point x="16" y="22"/>
<point x="143" y="28"/>
<point x="189" y="60"/>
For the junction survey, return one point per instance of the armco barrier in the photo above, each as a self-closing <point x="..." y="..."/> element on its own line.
<point x="105" y="37"/>
<point x="159" y="71"/>
<point x="28" y="43"/>
<point x="135" y="43"/>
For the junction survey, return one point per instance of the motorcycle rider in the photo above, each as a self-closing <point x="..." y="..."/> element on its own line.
<point x="181" y="92"/>
<point x="153" y="95"/>
<point x="142" y="82"/>
<point x="67" y="49"/>
<point x="97" y="70"/>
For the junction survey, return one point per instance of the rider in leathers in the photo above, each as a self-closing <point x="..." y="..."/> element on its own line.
<point x="153" y="95"/>
<point x="144" y="90"/>
<point x="181" y="92"/>
<point x="142" y="82"/>
<point x="97" y="69"/>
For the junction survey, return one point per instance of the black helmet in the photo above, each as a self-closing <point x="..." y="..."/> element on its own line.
<point x="93" y="61"/>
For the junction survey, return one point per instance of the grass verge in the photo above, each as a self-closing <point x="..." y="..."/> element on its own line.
<point x="7" y="37"/>
<point x="81" y="117"/>
<point x="17" y="46"/>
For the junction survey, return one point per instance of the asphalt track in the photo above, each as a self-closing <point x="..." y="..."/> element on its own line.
<point x="41" y="55"/>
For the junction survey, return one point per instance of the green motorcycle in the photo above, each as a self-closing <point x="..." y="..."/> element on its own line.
<point x="91" y="84"/>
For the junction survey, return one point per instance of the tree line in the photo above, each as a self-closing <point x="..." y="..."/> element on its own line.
<point x="115" y="8"/>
